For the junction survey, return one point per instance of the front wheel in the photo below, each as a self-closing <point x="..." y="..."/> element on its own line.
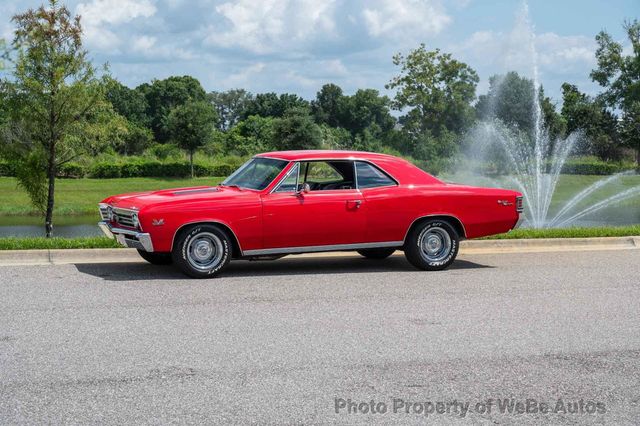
<point x="156" y="258"/>
<point x="202" y="251"/>
<point x="432" y="245"/>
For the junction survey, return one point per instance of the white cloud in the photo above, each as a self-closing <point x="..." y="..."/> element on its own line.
<point x="399" y="18"/>
<point x="557" y="50"/>
<point x="99" y="15"/>
<point x="513" y="51"/>
<point x="143" y="43"/>
<point x="243" y="77"/>
<point x="270" y="25"/>
<point x="333" y="67"/>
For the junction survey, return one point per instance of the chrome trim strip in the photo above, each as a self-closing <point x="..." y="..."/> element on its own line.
<point x="143" y="239"/>
<point x="315" y="249"/>
<point x="436" y="215"/>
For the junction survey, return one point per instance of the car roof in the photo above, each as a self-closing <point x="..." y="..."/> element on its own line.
<point x="326" y="154"/>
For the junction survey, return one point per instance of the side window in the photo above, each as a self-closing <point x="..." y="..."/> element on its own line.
<point x="370" y="176"/>
<point x="327" y="175"/>
<point x="290" y="182"/>
<point x="320" y="172"/>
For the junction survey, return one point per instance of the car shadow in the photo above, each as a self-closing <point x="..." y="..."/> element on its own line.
<point x="242" y="268"/>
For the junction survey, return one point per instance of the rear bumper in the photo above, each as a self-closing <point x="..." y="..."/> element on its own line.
<point x="127" y="237"/>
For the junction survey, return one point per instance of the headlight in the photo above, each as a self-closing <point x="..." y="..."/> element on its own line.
<point x="110" y="213"/>
<point x="134" y="219"/>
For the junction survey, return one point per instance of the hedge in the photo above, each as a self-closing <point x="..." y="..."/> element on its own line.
<point x="593" y="167"/>
<point x="153" y="168"/>
<point x="137" y="168"/>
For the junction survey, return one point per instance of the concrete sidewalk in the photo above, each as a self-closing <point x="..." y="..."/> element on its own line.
<point x="68" y="256"/>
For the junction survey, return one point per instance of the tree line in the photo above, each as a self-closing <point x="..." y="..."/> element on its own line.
<point x="56" y="107"/>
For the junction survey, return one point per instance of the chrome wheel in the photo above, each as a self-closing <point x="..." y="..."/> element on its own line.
<point x="204" y="251"/>
<point x="434" y="244"/>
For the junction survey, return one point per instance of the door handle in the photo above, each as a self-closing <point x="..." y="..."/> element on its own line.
<point x="355" y="203"/>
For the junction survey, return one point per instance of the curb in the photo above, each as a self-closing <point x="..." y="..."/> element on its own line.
<point x="118" y="255"/>
<point x="549" y="244"/>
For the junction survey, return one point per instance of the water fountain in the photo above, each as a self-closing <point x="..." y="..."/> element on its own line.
<point x="536" y="161"/>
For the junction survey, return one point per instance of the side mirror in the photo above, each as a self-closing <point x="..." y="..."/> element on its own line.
<point x="304" y="189"/>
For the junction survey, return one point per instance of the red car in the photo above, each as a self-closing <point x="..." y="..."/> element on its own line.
<point x="290" y="202"/>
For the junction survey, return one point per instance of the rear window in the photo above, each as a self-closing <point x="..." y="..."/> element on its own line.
<point x="370" y="176"/>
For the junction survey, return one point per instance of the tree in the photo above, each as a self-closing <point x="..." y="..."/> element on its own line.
<point x="327" y="108"/>
<point x="164" y="95"/>
<point x="129" y="103"/>
<point x="230" y="106"/>
<point x="510" y="99"/>
<point x="272" y="105"/>
<point x="436" y="90"/>
<point x="366" y="110"/>
<point x="190" y="125"/>
<point x="51" y="97"/>
<point x="296" y="130"/>
<point x="630" y="127"/>
<point x="620" y="76"/>
<point x="582" y="113"/>
<point x="250" y="136"/>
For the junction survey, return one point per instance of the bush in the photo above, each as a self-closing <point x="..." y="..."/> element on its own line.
<point x="7" y="169"/>
<point x="72" y="170"/>
<point x="593" y="166"/>
<point x="67" y="170"/>
<point x="154" y="168"/>
<point x="105" y="170"/>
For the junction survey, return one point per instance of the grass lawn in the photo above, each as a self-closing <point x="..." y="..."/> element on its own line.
<point x="601" y="231"/>
<point x="29" y="243"/>
<point x="81" y="196"/>
<point x="33" y="243"/>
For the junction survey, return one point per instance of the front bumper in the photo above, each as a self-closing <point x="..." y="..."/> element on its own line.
<point x="128" y="237"/>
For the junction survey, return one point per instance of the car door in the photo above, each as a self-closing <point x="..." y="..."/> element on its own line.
<point x="329" y="213"/>
<point x="388" y="213"/>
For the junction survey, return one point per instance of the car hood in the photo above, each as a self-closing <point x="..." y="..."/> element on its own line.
<point x="139" y="200"/>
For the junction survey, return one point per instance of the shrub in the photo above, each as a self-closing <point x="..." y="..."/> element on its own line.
<point x="105" y="170"/>
<point x="593" y="166"/>
<point x="72" y="170"/>
<point x="7" y="169"/>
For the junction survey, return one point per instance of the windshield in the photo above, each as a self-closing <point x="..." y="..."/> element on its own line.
<point x="256" y="173"/>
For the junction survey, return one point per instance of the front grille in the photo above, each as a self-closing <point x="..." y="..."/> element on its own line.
<point x="519" y="205"/>
<point x="123" y="217"/>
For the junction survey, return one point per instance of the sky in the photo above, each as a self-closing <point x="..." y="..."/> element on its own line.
<point x="299" y="45"/>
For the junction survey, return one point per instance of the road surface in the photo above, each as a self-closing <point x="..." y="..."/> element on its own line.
<point x="317" y="340"/>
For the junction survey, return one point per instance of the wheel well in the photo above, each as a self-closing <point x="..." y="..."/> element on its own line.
<point x="235" y="245"/>
<point x="452" y="220"/>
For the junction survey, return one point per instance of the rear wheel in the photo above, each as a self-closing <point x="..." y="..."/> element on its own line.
<point x="377" y="253"/>
<point x="156" y="258"/>
<point x="202" y="251"/>
<point x="432" y="245"/>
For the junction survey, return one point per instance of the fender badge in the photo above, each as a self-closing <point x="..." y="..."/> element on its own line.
<point x="157" y="222"/>
<point x="505" y="203"/>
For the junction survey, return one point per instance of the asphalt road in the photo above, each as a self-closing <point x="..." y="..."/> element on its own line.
<point x="286" y="342"/>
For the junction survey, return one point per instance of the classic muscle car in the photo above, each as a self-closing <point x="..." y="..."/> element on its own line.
<point x="292" y="202"/>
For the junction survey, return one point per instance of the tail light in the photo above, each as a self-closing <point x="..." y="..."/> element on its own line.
<point x="519" y="205"/>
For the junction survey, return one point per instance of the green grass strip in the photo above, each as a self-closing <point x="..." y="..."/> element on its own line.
<point x="603" y="231"/>
<point x="32" y="243"/>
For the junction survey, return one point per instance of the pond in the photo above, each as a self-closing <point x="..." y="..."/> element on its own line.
<point x="63" y="226"/>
